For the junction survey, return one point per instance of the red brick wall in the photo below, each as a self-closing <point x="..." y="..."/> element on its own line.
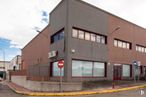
<point x="36" y="51"/>
<point x="128" y="32"/>
<point x="18" y="73"/>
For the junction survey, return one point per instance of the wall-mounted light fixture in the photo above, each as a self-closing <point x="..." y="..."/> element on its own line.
<point x="73" y="50"/>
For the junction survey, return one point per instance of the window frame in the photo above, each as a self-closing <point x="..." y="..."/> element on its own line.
<point x="90" y="36"/>
<point x="123" y="44"/>
<point x="104" y="75"/>
<point x="140" y="48"/>
<point x="129" y="75"/>
<point x="76" y="33"/>
<point x="92" y="65"/>
<point x="93" y="37"/>
<point x="81" y="34"/>
<point x="57" y="34"/>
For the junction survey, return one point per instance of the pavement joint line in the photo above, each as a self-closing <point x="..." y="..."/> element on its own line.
<point x="78" y="93"/>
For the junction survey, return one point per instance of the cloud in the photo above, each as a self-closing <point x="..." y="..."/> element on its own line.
<point x="19" y="17"/>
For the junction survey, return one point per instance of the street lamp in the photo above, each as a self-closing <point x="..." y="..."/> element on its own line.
<point x="109" y="63"/>
<point x="46" y="37"/>
<point x="116" y="29"/>
<point x="42" y="34"/>
<point x="3" y="62"/>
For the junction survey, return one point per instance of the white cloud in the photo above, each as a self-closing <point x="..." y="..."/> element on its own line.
<point x="19" y="17"/>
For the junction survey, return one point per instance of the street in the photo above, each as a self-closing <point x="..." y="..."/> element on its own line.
<point x="5" y="91"/>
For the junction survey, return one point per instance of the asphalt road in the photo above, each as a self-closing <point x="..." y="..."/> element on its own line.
<point x="7" y="92"/>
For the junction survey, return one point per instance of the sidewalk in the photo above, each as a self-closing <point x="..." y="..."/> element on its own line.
<point x="100" y="90"/>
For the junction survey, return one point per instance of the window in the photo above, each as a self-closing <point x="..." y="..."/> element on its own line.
<point x="128" y="46"/>
<point x="99" y="69"/>
<point x="76" y="68"/>
<point x="56" y="70"/>
<point x="88" y="69"/>
<point x="81" y="34"/>
<point x="87" y="36"/>
<point x="98" y="38"/>
<point x="57" y="36"/>
<point x="61" y="35"/>
<point x="122" y="44"/>
<point x="126" y="71"/>
<point x="115" y="43"/>
<point x="141" y="49"/>
<point x="75" y="33"/>
<point x="102" y="39"/>
<point x="93" y="37"/>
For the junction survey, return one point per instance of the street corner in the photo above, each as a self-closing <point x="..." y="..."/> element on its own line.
<point x="78" y="93"/>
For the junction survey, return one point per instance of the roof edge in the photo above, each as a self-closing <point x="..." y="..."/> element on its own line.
<point x="88" y="4"/>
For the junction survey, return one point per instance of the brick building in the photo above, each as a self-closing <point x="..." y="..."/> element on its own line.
<point x="94" y="44"/>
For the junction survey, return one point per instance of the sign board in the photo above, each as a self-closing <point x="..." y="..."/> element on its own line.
<point x="139" y="63"/>
<point x="117" y="64"/>
<point x="52" y="54"/>
<point x="60" y="64"/>
<point x="135" y="63"/>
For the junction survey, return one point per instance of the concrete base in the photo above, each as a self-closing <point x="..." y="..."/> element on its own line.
<point x="45" y="86"/>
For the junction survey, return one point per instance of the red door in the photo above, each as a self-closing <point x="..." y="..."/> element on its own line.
<point x="117" y="72"/>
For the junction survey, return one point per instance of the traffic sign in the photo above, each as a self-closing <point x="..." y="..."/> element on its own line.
<point x="60" y="64"/>
<point x="135" y="62"/>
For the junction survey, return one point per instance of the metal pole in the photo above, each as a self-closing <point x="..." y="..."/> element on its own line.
<point x="113" y="81"/>
<point x="60" y="79"/>
<point x="138" y="73"/>
<point x="4" y="64"/>
<point x="134" y="73"/>
<point x="113" y="84"/>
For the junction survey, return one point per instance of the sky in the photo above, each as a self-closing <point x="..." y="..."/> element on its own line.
<point x="19" y="19"/>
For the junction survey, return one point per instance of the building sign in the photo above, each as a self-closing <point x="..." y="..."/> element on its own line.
<point x="117" y="64"/>
<point x="52" y="54"/>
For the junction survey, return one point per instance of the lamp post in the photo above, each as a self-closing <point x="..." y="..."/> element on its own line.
<point x="3" y="62"/>
<point x="46" y="37"/>
<point x="110" y="35"/>
<point x="42" y="34"/>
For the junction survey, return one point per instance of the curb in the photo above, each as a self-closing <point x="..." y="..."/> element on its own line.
<point x="78" y="93"/>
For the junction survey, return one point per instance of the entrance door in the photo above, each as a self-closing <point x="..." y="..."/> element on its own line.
<point x="117" y="72"/>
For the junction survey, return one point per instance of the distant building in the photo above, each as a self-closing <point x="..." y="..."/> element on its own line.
<point x="4" y="67"/>
<point x="15" y="63"/>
